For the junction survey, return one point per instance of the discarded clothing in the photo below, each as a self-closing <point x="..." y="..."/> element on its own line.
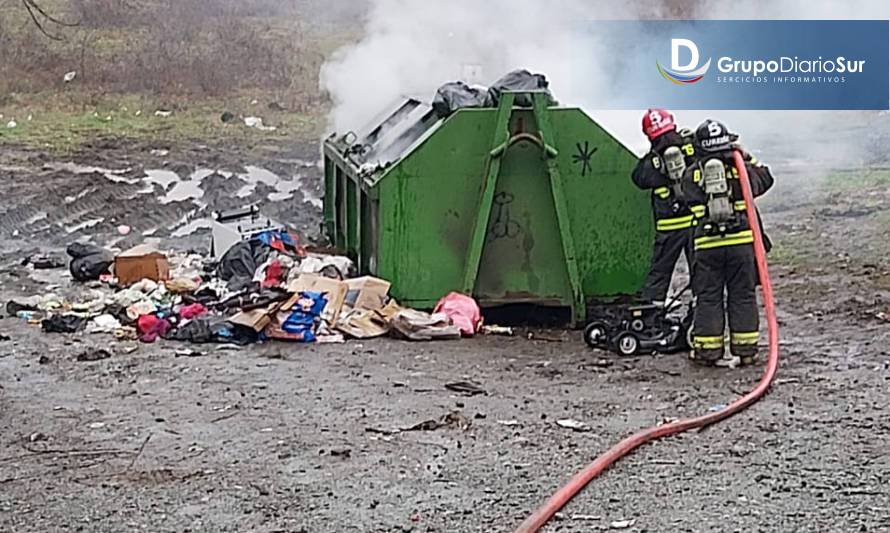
<point x="88" y="261"/>
<point x="182" y="285"/>
<point x="190" y="312"/>
<point x="254" y="300"/>
<point x="282" y="240"/>
<point x="275" y="275"/>
<point x="151" y="327"/>
<point x="103" y="324"/>
<point x="463" y="311"/>
<point x="63" y="324"/>
<point x="145" y="307"/>
<point x="209" y="329"/>
<point x="331" y="266"/>
<point x="45" y="262"/>
<point x="239" y="264"/>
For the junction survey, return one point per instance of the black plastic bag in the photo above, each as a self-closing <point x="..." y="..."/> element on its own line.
<point x="206" y="330"/>
<point x="63" y="324"/>
<point x="520" y="80"/>
<point x="240" y="262"/>
<point x="88" y="261"/>
<point x="458" y="95"/>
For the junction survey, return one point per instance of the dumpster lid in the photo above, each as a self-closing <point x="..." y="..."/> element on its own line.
<point x="387" y="139"/>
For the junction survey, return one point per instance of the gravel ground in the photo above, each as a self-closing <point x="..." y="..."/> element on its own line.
<point x="313" y="438"/>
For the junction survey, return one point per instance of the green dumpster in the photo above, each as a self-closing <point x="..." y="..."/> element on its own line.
<point x="511" y="204"/>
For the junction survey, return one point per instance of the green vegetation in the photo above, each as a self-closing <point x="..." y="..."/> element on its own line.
<point x="61" y="128"/>
<point x="790" y="252"/>
<point x="857" y="179"/>
<point x="196" y="58"/>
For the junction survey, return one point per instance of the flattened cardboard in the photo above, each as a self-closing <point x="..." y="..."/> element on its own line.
<point x="256" y="319"/>
<point x="364" y="324"/>
<point x="367" y="293"/>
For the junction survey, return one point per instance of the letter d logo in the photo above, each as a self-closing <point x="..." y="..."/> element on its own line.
<point x="688" y="73"/>
<point x="676" y="44"/>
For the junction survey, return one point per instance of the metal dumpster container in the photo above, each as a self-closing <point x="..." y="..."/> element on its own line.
<point x="510" y="204"/>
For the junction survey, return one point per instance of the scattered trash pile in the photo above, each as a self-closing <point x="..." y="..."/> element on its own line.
<point x="265" y="287"/>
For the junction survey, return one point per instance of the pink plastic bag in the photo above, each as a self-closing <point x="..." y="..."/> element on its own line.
<point x="463" y="311"/>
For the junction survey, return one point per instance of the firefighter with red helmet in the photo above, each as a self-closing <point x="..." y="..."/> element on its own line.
<point x="724" y="271"/>
<point x="661" y="171"/>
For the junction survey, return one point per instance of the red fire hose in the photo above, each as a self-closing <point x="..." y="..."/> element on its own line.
<point x="556" y="502"/>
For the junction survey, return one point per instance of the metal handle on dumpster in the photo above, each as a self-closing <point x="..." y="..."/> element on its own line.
<point x="499" y="151"/>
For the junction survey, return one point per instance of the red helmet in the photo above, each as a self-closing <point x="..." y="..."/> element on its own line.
<point x="657" y="122"/>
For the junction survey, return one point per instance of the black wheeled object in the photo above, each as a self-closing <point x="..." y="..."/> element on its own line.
<point x="642" y="329"/>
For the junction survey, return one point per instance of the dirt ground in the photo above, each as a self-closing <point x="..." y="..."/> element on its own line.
<point x="283" y="438"/>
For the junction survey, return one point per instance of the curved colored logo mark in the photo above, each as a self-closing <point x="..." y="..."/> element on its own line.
<point x="686" y="77"/>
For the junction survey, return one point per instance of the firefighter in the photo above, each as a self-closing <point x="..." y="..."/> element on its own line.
<point x="661" y="171"/>
<point x="724" y="268"/>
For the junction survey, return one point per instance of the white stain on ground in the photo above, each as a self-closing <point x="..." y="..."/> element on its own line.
<point x="187" y="229"/>
<point x="115" y="176"/>
<point x="84" y="225"/>
<point x="191" y="188"/>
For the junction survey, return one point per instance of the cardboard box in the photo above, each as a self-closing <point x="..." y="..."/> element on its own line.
<point x="367" y="293"/>
<point x="334" y="290"/>
<point x="257" y="319"/>
<point x="139" y="263"/>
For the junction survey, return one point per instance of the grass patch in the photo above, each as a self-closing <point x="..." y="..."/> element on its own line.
<point x="857" y="179"/>
<point x="789" y="252"/>
<point x="57" y="125"/>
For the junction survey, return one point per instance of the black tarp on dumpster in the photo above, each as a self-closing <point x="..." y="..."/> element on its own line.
<point x="520" y="80"/>
<point x="458" y="95"/>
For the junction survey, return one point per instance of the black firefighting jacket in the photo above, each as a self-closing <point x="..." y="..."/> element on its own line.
<point x="671" y="212"/>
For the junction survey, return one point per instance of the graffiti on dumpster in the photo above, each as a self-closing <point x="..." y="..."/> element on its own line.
<point x="584" y="156"/>
<point x="503" y="226"/>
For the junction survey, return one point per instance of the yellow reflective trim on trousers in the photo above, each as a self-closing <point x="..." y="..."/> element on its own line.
<point x="698" y="210"/>
<point x="746" y="338"/>
<point x="668" y="224"/>
<point x="740" y="206"/>
<point x="721" y="244"/>
<point x="707" y="343"/>
<point x="662" y="192"/>
<point x="743" y="237"/>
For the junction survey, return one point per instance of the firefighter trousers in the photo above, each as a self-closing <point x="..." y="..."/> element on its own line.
<point x="730" y="273"/>
<point x="668" y="247"/>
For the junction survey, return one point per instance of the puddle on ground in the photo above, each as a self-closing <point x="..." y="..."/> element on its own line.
<point x="115" y="176"/>
<point x="190" y="188"/>
<point x="161" y="177"/>
<point x="187" y="229"/>
<point x="184" y="190"/>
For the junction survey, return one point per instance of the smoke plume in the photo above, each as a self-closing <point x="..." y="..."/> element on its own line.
<point x="411" y="47"/>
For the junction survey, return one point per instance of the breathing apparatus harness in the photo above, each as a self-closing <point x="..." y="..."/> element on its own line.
<point x="674" y="167"/>
<point x="721" y="216"/>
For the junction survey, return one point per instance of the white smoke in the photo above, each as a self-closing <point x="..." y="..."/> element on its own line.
<point x="411" y="47"/>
